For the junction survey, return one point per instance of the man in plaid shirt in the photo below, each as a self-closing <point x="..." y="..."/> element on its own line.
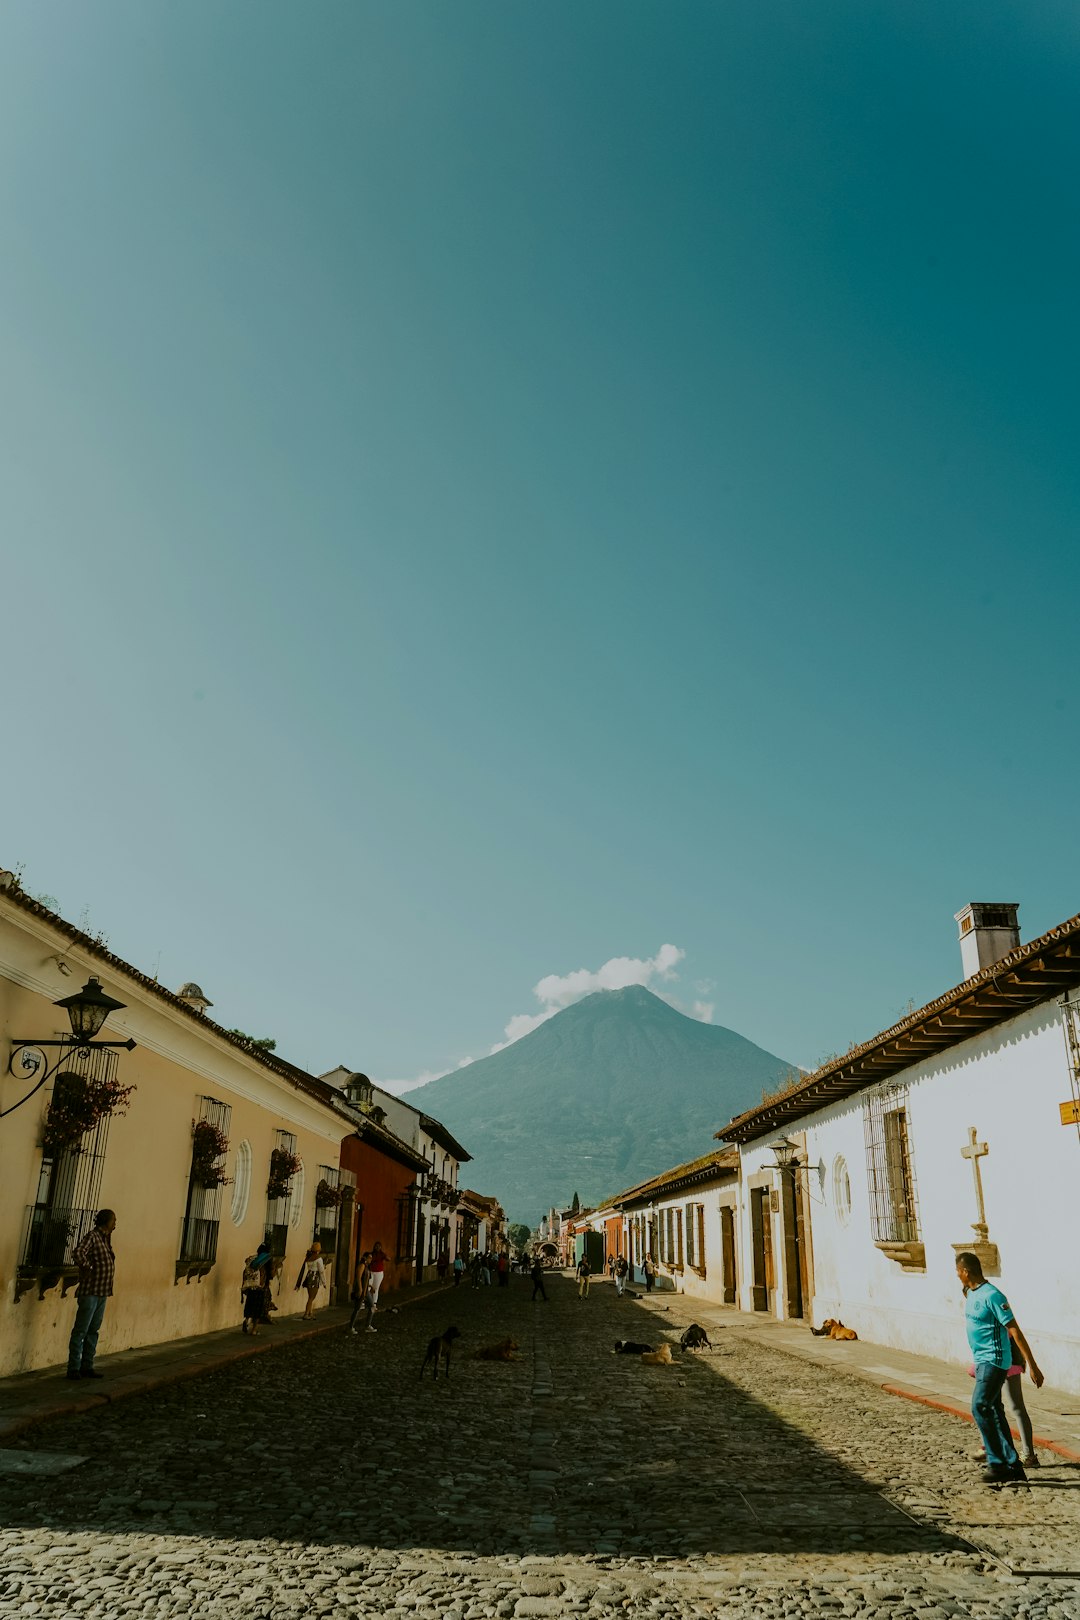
<point x="97" y="1264"/>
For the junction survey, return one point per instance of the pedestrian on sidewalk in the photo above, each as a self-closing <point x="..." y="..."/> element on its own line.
<point x="584" y="1274"/>
<point x="312" y="1277"/>
<point x="538" y="1280"/>
<point x="97" y="1268"/>
<point x="358" y="1297"/>
<point x="992" y="1330"/>
<point x="649" y="1269"/>
<point x="621" y="1268"/>
<point x="459" y="1268"/>
<point x="253" y="1288"/>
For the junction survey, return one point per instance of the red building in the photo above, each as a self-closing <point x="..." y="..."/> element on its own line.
<point x="386" y="1169"/>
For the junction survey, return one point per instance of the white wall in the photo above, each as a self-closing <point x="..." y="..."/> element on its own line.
<point x="1008" y="1083"/>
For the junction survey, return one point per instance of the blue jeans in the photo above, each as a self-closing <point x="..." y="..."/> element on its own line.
<point x="82" y="1345"/>
<point x="989" y="1415"/>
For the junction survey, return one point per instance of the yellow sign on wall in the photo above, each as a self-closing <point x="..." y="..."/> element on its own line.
<point x="1070" y="1112"/>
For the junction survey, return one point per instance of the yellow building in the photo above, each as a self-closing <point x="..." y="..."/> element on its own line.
<point x="205" y="1105"/>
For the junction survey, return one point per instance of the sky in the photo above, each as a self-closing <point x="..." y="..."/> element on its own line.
<point x="491" y="492"/>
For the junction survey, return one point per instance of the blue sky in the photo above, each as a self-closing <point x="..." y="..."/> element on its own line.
<point x="492" y="488"/>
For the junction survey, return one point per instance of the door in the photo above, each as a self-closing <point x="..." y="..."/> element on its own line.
<point x="727" y="1245"/>
<point x="793" y="1243"/>
<point x="761" y="1237"/>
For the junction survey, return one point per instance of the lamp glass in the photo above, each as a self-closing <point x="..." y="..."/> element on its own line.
<point x="783" y="1152"/>
<point x="88" y="1009"/>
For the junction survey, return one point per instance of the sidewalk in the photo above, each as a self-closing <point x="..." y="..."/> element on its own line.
<point x="1055" y="1415"/>
<point x="35" y="1397"/>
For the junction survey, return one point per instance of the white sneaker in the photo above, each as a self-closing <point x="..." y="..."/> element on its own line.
<point x="353" y="1332"/>
<point x="372" y="1330"/>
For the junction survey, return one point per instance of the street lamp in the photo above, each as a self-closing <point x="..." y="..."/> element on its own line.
<point x="87" y="1011"/>
<point x="785" y="1152"/>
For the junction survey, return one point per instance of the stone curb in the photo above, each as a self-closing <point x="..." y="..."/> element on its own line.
<point x="958" y="1411"/>
<point x="137" y="1384"/>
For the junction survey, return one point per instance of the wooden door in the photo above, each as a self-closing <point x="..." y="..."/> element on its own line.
<point x="761" y="1238"/>
<point x="727" y="1245"/>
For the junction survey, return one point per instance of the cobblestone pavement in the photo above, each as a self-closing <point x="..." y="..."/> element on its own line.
<point x="326" y="1478"/>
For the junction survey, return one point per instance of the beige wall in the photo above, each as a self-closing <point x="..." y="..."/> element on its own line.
<point x="145" y="1176"/>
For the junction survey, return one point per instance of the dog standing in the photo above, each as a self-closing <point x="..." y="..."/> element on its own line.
<point x="439" y="1346"/>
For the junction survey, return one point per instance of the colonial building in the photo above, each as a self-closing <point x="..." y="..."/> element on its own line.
<point x="201" y="1141"/>
<point x="686" y="1219"/>
<point x="957" y="1128"/>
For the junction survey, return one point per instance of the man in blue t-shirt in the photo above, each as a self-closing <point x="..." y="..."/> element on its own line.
<point x="992" y="1330"/>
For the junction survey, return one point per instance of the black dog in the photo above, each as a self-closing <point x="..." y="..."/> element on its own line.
<point x="627" y="1347"/>
<point x="440" y="1346"/>
<point x="695" y="1338"/>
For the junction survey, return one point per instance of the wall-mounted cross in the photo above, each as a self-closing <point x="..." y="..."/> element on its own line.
<point x="975" y="1151"/>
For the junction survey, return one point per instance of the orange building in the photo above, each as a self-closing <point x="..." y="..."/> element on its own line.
<point x="386" y="1169"/>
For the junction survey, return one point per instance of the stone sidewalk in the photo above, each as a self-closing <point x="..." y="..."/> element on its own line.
<point x="1055" y="1415"/>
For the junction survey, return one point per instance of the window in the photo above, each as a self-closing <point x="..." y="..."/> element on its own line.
<point x="69" y="1182"/>
<point x="241" y="1192"/>
<point x="280" y="1191"/>
<point x="894" y="1214"/>
<point x="327" y="1212"/>
<point x="678" y="1260"/>
<point x="206" y="1177"/>
<point x="841" y="1182"/>
<point x="694" y="1219"/>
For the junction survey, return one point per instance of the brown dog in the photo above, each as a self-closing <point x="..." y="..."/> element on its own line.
<point x="658" y="1358"/>
<point x="832" y="1329"/>
<point x="503" y="1351"/>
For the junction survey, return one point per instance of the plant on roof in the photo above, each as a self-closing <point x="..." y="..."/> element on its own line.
<point x="77" y="1107"/>
<point x="283" y="1166"/>
<point x="209" y="1145"/>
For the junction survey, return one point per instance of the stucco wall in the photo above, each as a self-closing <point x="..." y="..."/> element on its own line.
<point x="1007" y="1083"/>
<point x="146" y="1166"/>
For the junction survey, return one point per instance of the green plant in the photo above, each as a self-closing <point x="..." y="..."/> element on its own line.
<point x="283" y="1166"/>
<point x="209" y="1145"/>
<point x="79" y="1105"/>
<point x="264" y="1043"/>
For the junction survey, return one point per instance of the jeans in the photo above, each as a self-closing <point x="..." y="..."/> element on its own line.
<point x="989" y="1415"/>
<point x="82" y="1346"/>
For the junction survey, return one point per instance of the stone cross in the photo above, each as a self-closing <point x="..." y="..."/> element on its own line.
<point x="975" y="1151"/>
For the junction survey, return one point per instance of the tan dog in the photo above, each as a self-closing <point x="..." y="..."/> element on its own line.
<point x="658" y="1358"/>
<point x="503" y="1351"/>
<point x="832" y="1329"/>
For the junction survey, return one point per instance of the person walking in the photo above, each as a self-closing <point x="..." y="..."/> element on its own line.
<point x="621" y="1268"/>
<point x="312" y="1277"/>
<point x="650" y="1273"/>
<point x="502" y="1267"/>
<point x="584" y="1274"/>
<point x="459" y="1268"/>
<point x="1014" y="1389"/>
<point x="377" y="1269"/>
<point x="992" y="1330"/>
<point x="253" y="1286"/>
<point x="538" y="1280"/>
<point x="97" y="1268"/>
<point x="358" y="1297"/>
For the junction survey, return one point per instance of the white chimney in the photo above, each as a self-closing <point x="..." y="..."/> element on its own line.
<point x="987" y="933"/>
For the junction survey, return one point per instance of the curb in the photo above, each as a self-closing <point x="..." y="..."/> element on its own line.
<point x="959" y="1411"/>
<point x="175" y="1374"/>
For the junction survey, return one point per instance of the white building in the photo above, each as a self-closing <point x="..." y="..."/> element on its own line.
<point x="686" y="1218"/>
<point x="433" y="1223"/>
<point x="955" y="1129"/>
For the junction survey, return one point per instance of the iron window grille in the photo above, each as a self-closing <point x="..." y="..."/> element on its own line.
<point x="1070" y="1018"/>
<point x="202" y="1214"/>
<point x="279" y="1209"/>
<point x="69" y="1181"/>
<point x="326" y="1215"/>
<point x="890" y="1168"/>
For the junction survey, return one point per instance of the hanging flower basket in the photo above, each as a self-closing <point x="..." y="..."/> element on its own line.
<point x="209" y="1145"/>
<point x="79" y="1105"/>
<point x="283" y="1166"/>
<point x="327" y="1197"/>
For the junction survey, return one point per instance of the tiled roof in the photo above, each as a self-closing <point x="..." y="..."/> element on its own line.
<point x="439" y="1133"/>
<point x="1030" y="974"/>
<point x="721" y="1161"/>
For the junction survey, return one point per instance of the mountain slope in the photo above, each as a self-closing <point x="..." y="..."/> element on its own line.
<point x="609" y="1091"/>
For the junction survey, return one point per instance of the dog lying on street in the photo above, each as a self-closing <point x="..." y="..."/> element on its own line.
<point x="440" y="1346"/>
<point x="627" y="1347"/>
<point x="503" y="1351"/>
<point x="658" y="1358"/>
<point x="831" y="1329"/>
<point x="695" y="1338"/>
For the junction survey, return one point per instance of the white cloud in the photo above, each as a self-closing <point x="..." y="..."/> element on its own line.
<point x="557" y="991"/>
<point x="703" y="1010"/>
<point x="400" y="1086"/>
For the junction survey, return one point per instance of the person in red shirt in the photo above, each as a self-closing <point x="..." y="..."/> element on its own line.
<point x="97" y="1266"/>
<point x="376" y="1272"/>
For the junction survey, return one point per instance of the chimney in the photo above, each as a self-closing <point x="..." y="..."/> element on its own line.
<point x="987" y="933"/>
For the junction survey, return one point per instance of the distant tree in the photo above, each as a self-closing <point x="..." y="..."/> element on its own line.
<point x="265" y="1043"/>
<point x="575" y="1204"/>
<point x="519" y="1235"/>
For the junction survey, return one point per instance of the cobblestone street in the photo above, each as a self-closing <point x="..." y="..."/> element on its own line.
<point x="326" y="1478"/>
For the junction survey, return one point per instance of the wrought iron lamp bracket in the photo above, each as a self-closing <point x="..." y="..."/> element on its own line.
<point x="18" y="1063"/>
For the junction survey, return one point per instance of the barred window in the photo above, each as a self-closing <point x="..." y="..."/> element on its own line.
<point x="202" y="1215"/>
<point x="890" y="1171"/>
